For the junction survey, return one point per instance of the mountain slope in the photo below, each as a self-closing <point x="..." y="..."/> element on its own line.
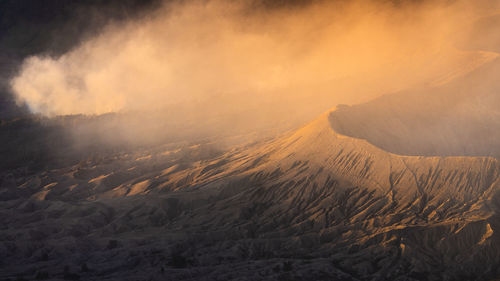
<point x="310" y="204"/>
<point x="457" y="118"/>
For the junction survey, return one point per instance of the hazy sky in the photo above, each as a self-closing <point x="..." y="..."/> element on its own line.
<point x="238" y="57"/>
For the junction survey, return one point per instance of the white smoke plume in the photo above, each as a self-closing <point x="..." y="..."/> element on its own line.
<point x="243" y="58"/>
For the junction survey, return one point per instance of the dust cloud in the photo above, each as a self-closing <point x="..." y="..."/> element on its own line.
<point x="247" y="65"/>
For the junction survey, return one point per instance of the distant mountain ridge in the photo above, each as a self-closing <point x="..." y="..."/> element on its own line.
<point x="461" y="117"/>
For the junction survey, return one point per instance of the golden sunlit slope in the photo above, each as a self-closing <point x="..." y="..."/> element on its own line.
<point x="316" y="153"/>
<point x="435" y="214"/>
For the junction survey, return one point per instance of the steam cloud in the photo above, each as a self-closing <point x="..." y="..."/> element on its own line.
<point x="211" y="53"/>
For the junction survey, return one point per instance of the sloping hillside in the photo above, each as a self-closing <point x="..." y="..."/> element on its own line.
<point x="309" y="204"/>
<point x="457" y="118"/>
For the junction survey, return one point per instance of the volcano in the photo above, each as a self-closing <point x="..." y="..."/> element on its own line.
<point x="193" y="148"/>
<point x="323" y="202"/>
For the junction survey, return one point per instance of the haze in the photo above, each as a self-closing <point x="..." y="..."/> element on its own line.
<point x="253" y="64"/>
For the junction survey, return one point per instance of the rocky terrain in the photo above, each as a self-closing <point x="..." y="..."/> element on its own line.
<point x="312" y="204"/>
